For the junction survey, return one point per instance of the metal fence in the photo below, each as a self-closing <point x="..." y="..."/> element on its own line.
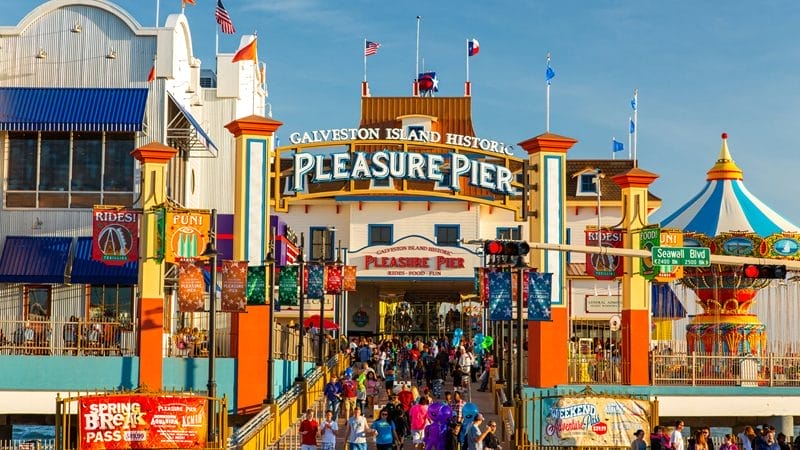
<point x="717" y="370"/>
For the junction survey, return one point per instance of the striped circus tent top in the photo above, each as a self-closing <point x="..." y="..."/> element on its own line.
<point x="725" y="204"/>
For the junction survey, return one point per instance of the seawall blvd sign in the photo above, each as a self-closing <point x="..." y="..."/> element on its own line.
<point x="682" y="256"/>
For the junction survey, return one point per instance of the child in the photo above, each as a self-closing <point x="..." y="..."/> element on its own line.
<point x="728" y="443"/>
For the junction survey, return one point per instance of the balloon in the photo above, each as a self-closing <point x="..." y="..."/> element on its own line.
<point x="469" y="410"/>
<point x="348" y="372"/>
<point x="478" y="339"/>
<point x="487" y="342"/>
<point x="441" y="434"/>
<point x="445" y="413"/>
<point x="458" y="332"/>
<point x="433" y="411"/>
<point x="456" y="341"/>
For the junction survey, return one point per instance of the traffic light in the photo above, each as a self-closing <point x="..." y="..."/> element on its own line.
<point x="769" y="271"/>
<point x="504" y="251"/>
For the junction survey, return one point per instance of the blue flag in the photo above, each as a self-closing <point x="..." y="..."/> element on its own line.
<point x="499" y="296"/>
<point x="617" y="146"/>
<point x="633" y="126"/>
<point x="540" y="291"/>
<point x="633" y="103"/>
<point x="549" y="74"/>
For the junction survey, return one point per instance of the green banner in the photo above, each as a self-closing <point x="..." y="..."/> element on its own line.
<point x="648" y="238"/>
<point x="288" y="288"/>
<point x="256" y="285"/>
<point x="161" y="227"/>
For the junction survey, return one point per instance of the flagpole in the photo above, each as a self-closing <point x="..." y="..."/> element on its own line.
<point x="416" y="68"/>
<point x="635" y="125"/>
<point x="547" y="102"/>
<point x="365" y="60"/>
<point x="467" y="59"/>
<point x="630" y="149"/>
<point x="613" y="150"/>
<point x="158" y="8"/>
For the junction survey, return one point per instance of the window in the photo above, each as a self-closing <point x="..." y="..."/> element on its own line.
<point x="322" y="240"/>
<point x="587" y="184"/>
<point x="510" y="233"/>
<point x="380" y="235"/>
<point x="37" y="303"/>
<point x="69" y="170"/>
<point x="381" y="183"/>
<point x="448" y="234"/>
<point x="111" y="304"/>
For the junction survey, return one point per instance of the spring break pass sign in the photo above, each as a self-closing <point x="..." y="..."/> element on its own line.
<point x="593" y="421"/>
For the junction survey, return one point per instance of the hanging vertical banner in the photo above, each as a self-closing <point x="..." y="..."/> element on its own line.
<point x="161" y="230"/>
<point x="288" y="286"/>
<point x="115" y="235"/>
<point x="234" y="286"/>
<point x="333" y="279"/>
<point x="670" y="238"/>
<point x="256" y="285"/>
<point x="649" y="237"/>
<point x="603" y="266"/>
<point x="515" y="286"/>
<point x="191" y="286"/>
<point x="186" y="234"/>
<point x="349" y="278"/>
<point x="540" y="291"/>
<point x="316" y="273"/>
<point x="499" y="295"/>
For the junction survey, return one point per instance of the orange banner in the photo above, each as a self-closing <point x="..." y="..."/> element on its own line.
<point x="234" y="286"/>
<point x="349" y="278"/>
<point x="142" y="422"/>
<point x="186" y="234"/>
<point x="191" y="286"/>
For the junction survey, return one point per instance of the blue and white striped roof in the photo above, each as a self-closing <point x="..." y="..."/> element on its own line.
<point x="725" y="204"/>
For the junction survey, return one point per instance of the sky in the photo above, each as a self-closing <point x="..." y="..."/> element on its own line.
<point x="700" y="68"/>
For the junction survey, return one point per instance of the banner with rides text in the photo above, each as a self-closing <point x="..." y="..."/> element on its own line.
<point x="234" y="286"/>
<point x="593" y="420"/>
<point x="349" y="278"/>
<point x="142" y="422"/>
<point x="191" y="286"/>
<point x="115" y="235"/>
<point x="603" y="266"/>
<point x="540" y="291"/>
<point x="499" y="295"/>
<point x="257" y="285"/>
<point x="288" y="286"/>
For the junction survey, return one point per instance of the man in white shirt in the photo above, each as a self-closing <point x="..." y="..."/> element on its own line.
<point x="676" y="438"/>
<point x="327" y="430"/>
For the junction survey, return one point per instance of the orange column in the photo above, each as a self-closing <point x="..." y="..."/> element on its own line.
<point x="153" y="158"/>
<point x="250" y="332"/>
<point x="634" y="185"/>
<point x="548" y="341"/>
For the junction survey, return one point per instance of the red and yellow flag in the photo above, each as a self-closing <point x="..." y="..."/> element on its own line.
<point x="246" y="53"/>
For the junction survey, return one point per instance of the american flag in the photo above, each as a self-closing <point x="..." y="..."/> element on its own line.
<point x="371" y="48"/>
<point x="224" y="19"/>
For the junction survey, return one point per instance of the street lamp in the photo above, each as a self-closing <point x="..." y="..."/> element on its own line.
<point x="302" y="294"/>
<point x="520" y="266"/>
<point x="211" y="253"/>
<point x="323" y="260"/>
<point x="270" y="267"/>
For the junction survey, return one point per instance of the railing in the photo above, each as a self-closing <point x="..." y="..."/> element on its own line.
<point x="66" y="337"/>
<point x="590" y="369"/>
<point x="698" y="369"/>
<point x="26" y="444"/>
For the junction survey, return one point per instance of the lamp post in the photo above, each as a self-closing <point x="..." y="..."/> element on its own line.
<point x="301" y="278"/>
<point x="598" y="175"/>
<point x="520" y="266"/>
<point x="211" y="253"/>
<point x="323" y="259"/>
<point x="269" y="262"/>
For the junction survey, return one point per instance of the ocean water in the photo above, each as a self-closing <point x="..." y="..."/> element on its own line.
<point x="33" y="432"/>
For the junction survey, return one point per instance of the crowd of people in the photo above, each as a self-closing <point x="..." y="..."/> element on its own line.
<point x="762" y="437"/>
<point x="393" y="383"/>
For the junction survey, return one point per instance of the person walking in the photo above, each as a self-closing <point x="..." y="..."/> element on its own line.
<point x="491" y="441"/>
<point x="638" y="443"/>
<point x="385" y="432"/>
<point x="676" y="438"/>
<point x="333" y="395"/>
<point x="309" y="428"/>
<point x="327" y="431"/>
<point x="357" y="430"/>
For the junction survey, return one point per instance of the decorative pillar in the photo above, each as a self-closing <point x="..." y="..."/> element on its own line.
<point x="548" y="342"/>
<point x="250" y="332"/>
<point x="150" y="320"/>
<point x="634" y="185"/>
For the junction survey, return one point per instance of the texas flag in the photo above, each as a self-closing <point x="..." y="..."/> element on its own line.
<point x="473" y="47"/>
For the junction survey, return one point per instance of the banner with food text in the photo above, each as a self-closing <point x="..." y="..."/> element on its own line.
<point x="131" y="421"/>
<point x="115" y="235"/>
<point x="500" y="295"/>
<point x="540" y="291"/>
<point x="649" y="237"/>
<point x="288" y="286"/>
<point x="349" y="278"/>
<point x="593" y="421"/>
<point x="191" y="286"/>
<point x="603" y="266"/>
<point x="234" y="286"/>
<point x="333" y="279"/>
<point x="187" y="234"/>
<point x="256" y="285"/>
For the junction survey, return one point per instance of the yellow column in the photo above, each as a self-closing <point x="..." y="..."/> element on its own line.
<point x="548" y="341"/>
<point x="635" y="293"/>
<point x="250" y="332"/>
<point x="153" y="158"/>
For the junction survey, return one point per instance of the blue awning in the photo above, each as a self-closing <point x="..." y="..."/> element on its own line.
<point x="664" y="303"/>
<point x="34" y="259"/>
<point x="201" y="135"/>
<point x="85" y="270"/>
<point x="72" y="109"/>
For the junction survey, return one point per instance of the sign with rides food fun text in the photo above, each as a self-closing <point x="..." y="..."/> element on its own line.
<point x="115" y="235"/>
<point x="142" y="422"/>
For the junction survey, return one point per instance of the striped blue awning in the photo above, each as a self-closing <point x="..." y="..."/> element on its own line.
<point x="34" y="259"/>
<point x="86" y="270"/>
<point x="202" y="135"/>
<point x="664" y="303"/>
<point x="72" y="109"/>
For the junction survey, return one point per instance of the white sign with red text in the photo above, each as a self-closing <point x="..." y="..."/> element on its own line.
<point x="415" y="257"/>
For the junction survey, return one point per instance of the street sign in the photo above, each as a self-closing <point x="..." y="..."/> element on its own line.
<point x="682" y="256"/>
